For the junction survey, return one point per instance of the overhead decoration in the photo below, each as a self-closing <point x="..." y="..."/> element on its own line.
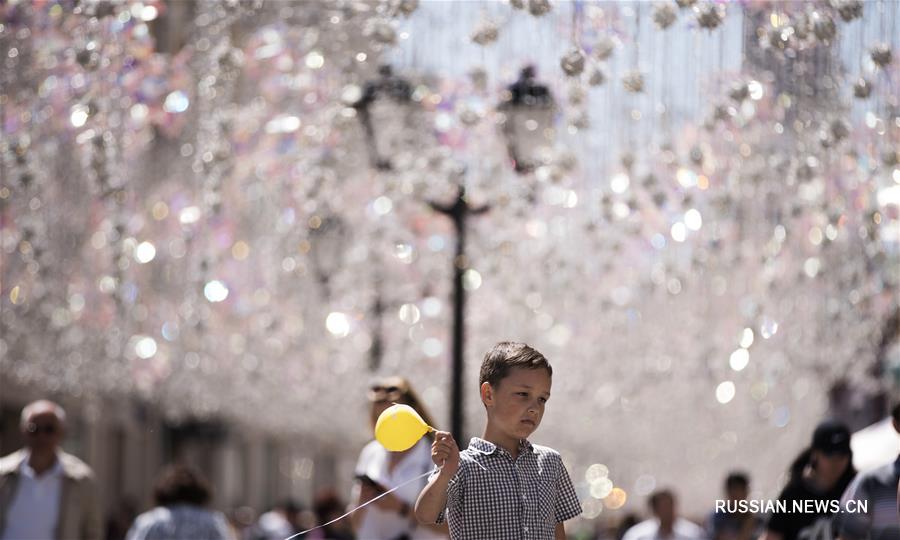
<point x="664" y="15"/>
<point x="573" y="62"/>
<point x="682" y="217"/>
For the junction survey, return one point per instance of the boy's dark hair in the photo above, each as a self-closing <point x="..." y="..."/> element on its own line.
<point x="181" y="485"/>
<point x="507" y="355"/>
<point x="737" y="479"/>
<point x="895" y="412"/>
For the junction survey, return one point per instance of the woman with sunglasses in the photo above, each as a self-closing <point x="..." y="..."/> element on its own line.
<point x="379" y="470"/>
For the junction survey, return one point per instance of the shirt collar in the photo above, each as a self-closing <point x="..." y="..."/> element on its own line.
<point x="26" y="470"/>
<point x="487" y="447"/>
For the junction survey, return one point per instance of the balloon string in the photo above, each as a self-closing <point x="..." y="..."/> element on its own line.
<point x="367" y="503"/>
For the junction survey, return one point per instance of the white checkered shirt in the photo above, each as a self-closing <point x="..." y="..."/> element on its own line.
<point x="493" y="497"/>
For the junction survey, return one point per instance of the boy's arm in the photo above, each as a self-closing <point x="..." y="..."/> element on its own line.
<point x="560" y="532"/>
<point x="567" y="503"/>
<point x="433" y="498"/>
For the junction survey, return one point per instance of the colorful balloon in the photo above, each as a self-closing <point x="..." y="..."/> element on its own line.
<point x="400" y="427"/>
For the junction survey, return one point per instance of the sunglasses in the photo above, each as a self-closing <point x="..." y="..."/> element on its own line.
<point x="379" y="393"/>
<point x="36" y="429"/>
<point x="385" y="389"/>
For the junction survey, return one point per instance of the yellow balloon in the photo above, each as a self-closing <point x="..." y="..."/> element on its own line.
<point x="400" y="427"/>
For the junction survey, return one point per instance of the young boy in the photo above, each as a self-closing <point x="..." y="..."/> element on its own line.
<point x="502" y="486"/>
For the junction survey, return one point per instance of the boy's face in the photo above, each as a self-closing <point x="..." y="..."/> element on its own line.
<point x="516" y="405"/>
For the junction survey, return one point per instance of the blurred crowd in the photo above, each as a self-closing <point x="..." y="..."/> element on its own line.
<point x="46" y="493"/>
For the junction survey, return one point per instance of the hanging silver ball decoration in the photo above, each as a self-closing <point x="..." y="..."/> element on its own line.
<point x="721" y="113"/>
<point x="597" y="77"/>
<point x="581" y="120"/>
<point x="406" y="7"/>
<point x="517" y="4"/>
<point x="633" y="82"/>
<point x="539" y="7"/>
<point x="839" y="129"/>
<point x="685" y="3"/>
<point x="101" y="9"/>
<point x="778" y="38"/>
<point x="709" y="15"/>
<point x="469" y="117"/>
<point x="604" y="47"/>
<point x="802" y="26"/>
<point x="833" y="133"/>
<point x="566" y="160"/>
<point x="739" y="92"/>
<point x="862" y="89"/>
<point x="485" y="33"/>
<point x="825" y="140"/>
<point x="230" y="61"/>
<point x="823" y="26"/>
<point x="87" y="59"/>
<point x="659" y="199"/>
<point x="807" y="170"/>
<point x="350" y="94"/>
<point x="890" y="158"/>
<point x="668" y="154"/>
<point x="479" y="78"/>
<point x="696" y="155"/>
<point x="627" y="160"/>
<point x="573" y="62"/>
<point x="380" y="31"/>
<point x="577" y="94"/>
<point x="848" y="9"/>
<point x="881" y="55"/>
<point x="664" y="15"/>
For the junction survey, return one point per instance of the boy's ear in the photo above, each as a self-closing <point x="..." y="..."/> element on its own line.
<point x="487" y="393"/>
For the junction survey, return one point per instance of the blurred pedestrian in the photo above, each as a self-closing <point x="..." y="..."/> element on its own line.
<point x="328" y="506"/>
<point x="735" y="525"/>
<point x="665" y="523"/>
<point x="121" y="518"/>
<point x="876" y="492"/>
<point x="820" y="473"/>
<point x="181" y="496"/>
<point x="378" y="470"/>
<point x="241" y="519"/>
<point x="45" y="492"/>
<point x="628" y="521"/>
<point x="278" y="523"/>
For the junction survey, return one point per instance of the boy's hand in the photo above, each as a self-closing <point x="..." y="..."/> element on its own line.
<point x="445" y="453"/>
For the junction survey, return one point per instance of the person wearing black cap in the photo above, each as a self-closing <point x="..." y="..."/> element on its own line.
<point x="820" y="473"/>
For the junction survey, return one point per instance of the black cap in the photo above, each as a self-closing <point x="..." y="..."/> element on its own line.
<point x="831" y="437"/>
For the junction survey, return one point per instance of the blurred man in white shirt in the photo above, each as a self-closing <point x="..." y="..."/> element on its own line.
<point x="46" y="493"/>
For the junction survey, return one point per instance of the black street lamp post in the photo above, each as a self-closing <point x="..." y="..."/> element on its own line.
<point x="458" y="212"/>
<point x="376" y="352"/>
